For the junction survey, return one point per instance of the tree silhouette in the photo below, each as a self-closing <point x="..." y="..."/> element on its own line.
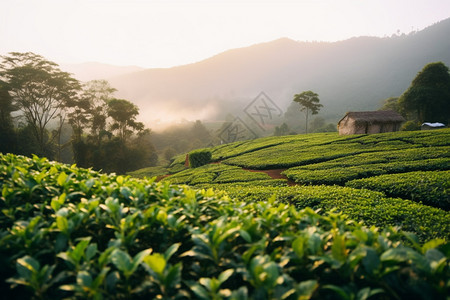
<point x="428" y="96"/>
<point x="309" y="102"/>
<point x="40" y="90"/>
<point x="123" y="114"/>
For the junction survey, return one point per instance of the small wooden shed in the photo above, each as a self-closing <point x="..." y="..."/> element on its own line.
<point x="361" y="122"/>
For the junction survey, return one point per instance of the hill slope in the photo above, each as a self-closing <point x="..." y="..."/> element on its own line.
<point x="413" y="167"/>
<point x="355" y="74"/>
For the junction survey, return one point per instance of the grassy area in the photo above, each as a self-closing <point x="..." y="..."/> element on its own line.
<point x="149" y="172"/>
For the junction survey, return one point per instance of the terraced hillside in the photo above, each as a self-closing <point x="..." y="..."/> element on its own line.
<point x="398" y="179"/>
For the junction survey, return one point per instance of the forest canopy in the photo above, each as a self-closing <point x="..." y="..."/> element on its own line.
<point x="47" y="112"/>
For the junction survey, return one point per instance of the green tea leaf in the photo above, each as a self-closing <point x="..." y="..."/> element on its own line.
<point x="61" y="180"/>
<point x="27" y="266"/>
<point x="338" y="290"/>
<point x="432" y="244"/>
<point x="62" y="223"/>
<point x="121" y="260"/>
<point x="338" y="249"/>
<point x="84" y="279"/>
<point x="366" y="293"/>
<point x="371" y="261"/>
<point x="120" y="180"/>
<point x="225" y="275"/>
<point x="298" y="245"/>
<point x="78" y="252"/>
<point x="200" y="291"/>
<point x="306" y="289"/>
<point x="395" y="254"/>
<point x="245" y="235"/>
<point x="91" y="250"/>
<point x="156" y="262"/>
<point x="138" y="258"/>
<point x="171" y="251"/>
<point x="173" y="276"/>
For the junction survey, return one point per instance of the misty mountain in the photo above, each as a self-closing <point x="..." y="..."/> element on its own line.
<point x="92" y="70"/>
<point x="350" y="75"/>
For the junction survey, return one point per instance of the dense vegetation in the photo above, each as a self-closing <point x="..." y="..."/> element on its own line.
<point x="403" y="176"/>
<point x="45" y="111"/>
<point x="71" y="233"/>
<point x="428" y="97"/>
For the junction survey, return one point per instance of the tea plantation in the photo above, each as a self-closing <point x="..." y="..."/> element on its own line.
<point x="392" y="179"/>
<point x="368" y="219"/>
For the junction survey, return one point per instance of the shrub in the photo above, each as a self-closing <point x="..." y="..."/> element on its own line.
<point x="215" y="173"/>
<point x="431" y="187"/>
<point x="70" y="233"/>
<point x="370" y="207"/>
<point x="411" y="126"/>
<point x="199" y="158"/>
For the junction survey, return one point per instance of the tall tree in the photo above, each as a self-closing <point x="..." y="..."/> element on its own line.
<point x="428" y="96"/>
<point x="7" y="134"/>
<point x="97" y="93"/>
<point x="123" y="114"/>
<point x="309" y="102"/>
<point x="39" y="89"/>
<point x="391" y="104"/>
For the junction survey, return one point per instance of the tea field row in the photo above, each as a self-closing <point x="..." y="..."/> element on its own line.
<point x="71" y="233"/>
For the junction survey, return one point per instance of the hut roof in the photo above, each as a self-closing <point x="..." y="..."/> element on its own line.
<point x="374" y="116"/>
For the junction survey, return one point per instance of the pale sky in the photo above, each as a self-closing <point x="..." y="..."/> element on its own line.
<point x="165" y="33"/>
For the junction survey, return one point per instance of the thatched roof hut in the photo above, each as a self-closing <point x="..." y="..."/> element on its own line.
<point x="370" y="122"/>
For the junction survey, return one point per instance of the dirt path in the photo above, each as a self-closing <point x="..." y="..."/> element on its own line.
<point x="274" y="174"/>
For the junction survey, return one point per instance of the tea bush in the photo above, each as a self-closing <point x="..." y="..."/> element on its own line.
<point x="149" y="172"/>
<point x="215" y="173"/>
<point x="291" y="151"/>
<point x="333" y="173"/>
<point x="370" y="207"/>
<point x="198" y="158"/>
<point x="70" y="233"/>
<point x="430" y="188"/>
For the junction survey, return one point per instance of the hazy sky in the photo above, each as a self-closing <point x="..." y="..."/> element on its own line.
<point x="164" y="33"/>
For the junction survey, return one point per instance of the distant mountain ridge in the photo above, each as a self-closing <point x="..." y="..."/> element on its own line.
<point x="350" y="75"/>
<point x="93" y="70"/>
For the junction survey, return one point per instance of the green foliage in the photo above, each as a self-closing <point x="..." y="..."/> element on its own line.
<point x="309" y="102"/>
<point x="239" y="148"/>
<point x="115" y="155"/>
<point x="215" y="173"/>
<point x="340" y="171"/>
<point x="124" y="114"/>
<point x="149" y="172"/>
<point x="8" y="139"/>
<point x="411" y="125"/>
<point x="182" y="138"/>
<point x="428" y="97"/>
<point x="40" y="90"/>
<point x="430" y="188"/>
<point x="105" y="133"/>
<point x="370" y="207"/>
<point x="70" y="233"/>
<point x="292" y="151"/>
<point x="391" y="103"/>
<point x="199" y="158"/>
